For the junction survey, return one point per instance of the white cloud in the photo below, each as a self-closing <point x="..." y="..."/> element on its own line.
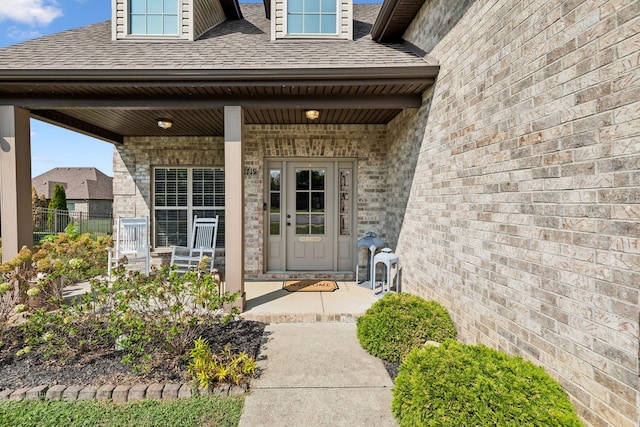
<point x="33" y="12"/>
<point x="19" y="34"/>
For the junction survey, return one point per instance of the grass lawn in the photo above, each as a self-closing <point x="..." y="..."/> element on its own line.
<point x="197" y="411"/>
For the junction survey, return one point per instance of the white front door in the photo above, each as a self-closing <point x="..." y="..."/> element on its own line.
<point x="310" y="216"/>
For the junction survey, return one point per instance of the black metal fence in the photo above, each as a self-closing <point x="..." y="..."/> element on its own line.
<point x="53" y="221"/>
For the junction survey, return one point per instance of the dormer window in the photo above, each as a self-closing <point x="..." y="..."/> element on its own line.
<point x="153" y="17"/>
<point x="312" y="17"/>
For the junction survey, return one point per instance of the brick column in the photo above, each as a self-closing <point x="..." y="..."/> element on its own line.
<point x="234" y="201"/>
<point x="15" y="180"/>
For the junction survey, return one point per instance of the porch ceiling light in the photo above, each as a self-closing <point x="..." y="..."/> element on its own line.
<point x="312" y="114"/>
<point x="164" y="123"/>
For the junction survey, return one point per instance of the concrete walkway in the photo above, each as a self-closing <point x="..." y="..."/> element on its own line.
<point x="317" y="374"/>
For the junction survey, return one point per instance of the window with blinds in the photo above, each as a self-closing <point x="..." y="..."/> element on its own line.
<point x="181" y="193"/>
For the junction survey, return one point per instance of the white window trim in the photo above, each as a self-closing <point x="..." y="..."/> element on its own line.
<point x="127" y="26"/>
<point x="337" y="35"/>
<point x="189" y="208"/>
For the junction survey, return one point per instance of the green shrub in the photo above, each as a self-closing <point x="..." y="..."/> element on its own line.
<point x="166" y="308"/>
<point x="463" y="385"/>
<point x="397" y="323"/>
<point x="152" y="319"/>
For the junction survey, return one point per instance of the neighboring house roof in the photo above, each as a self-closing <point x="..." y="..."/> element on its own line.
<point x="83" y="80"/>
<point x="79" y="183"/>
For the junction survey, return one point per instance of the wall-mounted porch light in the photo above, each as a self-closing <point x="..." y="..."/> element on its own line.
<point x="164" y="123"/>
<point x="312" y="114"/>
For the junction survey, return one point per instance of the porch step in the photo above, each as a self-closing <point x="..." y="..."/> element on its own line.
<point x="306" y="275"/>
<point x="302" y="317"/>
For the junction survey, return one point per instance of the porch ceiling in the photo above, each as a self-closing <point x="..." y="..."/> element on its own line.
<point x="113" y="106"/>
<point x="113" y="124"/>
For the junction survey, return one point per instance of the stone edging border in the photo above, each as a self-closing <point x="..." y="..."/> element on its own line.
<point x="120" y="393"/>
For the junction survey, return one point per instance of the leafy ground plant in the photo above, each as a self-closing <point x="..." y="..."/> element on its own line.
<point x="168" y="308"/>
<point x="197" y="411"/>
<point x="463" y="385"/>
<point x="397" y="323"/>
<point x="151" y="319"/>
<point x="209" y="369"/>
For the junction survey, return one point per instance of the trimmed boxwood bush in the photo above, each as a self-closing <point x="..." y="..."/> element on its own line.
<point x="397" y="323"/>
<point x="462" y="385"/>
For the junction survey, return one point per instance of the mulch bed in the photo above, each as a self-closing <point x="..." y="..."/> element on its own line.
<point x="103" y="365"/>
<point x="392" y="368"/>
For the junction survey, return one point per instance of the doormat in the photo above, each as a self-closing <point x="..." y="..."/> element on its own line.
<point x="310" y="285"/>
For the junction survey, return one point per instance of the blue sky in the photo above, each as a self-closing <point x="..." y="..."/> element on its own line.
<point x="22" y="20"/>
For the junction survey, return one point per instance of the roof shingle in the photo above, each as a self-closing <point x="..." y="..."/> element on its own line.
<point x="79" y="183"/>
<point x="241" y="44"/>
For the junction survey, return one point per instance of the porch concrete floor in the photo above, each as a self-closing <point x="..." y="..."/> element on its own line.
<point x="268" y="302"/>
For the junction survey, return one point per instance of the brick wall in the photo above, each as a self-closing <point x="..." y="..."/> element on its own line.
<point x="133" y="162"/>
<point x="366" y="143"/>
<point x="523" y="216"/>
<point x="132" y="167"/>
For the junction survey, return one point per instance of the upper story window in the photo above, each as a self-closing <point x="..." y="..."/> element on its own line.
<point x="312" y="17"/>
<point x="153" y="17"/>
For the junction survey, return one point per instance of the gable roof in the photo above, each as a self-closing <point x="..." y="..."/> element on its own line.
<point x="79" y="183"/>
<point x="232" y="46"/>
<point x="83" y="80"/>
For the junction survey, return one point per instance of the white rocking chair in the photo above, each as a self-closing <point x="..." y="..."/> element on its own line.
<point x="202" y="243"/>
<point x="131" y="241"/>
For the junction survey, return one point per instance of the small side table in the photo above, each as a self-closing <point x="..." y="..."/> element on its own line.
<point x="371" y="242"/>
<point x="388" y="258"/>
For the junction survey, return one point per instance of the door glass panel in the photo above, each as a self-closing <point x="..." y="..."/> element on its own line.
<point x="345" y="202"/>
<point x="317" y="180"/>
<point x="317" y="202"/>
<point x="317" y="224"/>
<point x="310" y="201"/>
<point x="275" y="180"/>
<point x="274" y="214"/>
<point x="302" y="201"/>
<point x="275" y="217"/>
<point x="302" y="179"/>
<point x="302" y="224"/>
